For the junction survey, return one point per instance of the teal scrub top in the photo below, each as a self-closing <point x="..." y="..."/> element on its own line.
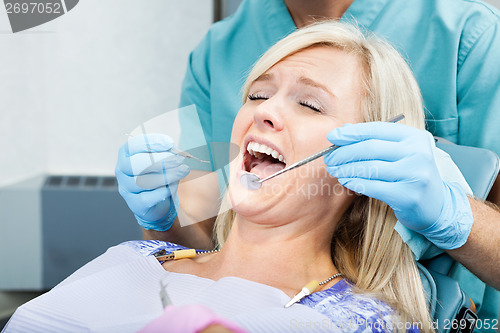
<point x="453" y="47"/>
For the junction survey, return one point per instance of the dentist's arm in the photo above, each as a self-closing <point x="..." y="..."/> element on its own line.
<point x="481" y="253"/>
<point x="394" y="163"/>
<point x="198" y="199"/>
<point x="148" y="175"/>
<point x="198" y="208"/>
<point x="196" y="236"/>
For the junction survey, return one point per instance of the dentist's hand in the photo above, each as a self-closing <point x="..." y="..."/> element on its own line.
<point x="148" y="175"/>
<point x="394" y="163"/>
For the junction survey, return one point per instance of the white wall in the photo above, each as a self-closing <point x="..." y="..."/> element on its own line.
<point x="70" y="89"/>
<point x="495" y="3"/>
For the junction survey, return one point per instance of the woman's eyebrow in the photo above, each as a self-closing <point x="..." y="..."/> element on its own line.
<point x="303" y="80"/>
<point x="264" y="77"/>
<point x="308" y="82"/>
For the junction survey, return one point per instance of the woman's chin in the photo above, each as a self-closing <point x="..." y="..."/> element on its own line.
<point x="244" y="201"/>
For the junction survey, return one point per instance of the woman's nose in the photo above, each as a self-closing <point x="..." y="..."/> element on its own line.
<point x="269" y="114"/>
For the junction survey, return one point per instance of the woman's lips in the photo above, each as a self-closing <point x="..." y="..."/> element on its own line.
<point x="264" y="165"/>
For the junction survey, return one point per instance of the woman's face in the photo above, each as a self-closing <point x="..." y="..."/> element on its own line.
<point x="286" y="117"/>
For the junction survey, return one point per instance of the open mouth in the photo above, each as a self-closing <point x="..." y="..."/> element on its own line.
<point x="262" y="160"/>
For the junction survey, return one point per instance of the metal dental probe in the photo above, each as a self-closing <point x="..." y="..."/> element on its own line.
<point x="253" y="182"/>
<point x="173" y="150"/>
<point x="186" y="154"/>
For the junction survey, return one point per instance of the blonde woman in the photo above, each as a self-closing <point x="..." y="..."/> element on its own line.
<point x="320" y="78"/>
<point x="297" y="227"/>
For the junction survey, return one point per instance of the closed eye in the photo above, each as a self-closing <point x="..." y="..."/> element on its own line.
<point x="311" y="106"/>
<point x="254" y="97"/>
<point x="307" y="104"/>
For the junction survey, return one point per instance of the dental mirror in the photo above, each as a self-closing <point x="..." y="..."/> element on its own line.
<point x="251" y="181"/>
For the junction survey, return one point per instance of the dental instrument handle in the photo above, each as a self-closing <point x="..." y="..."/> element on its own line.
<point x="173" y="150"/>
<point x="320" y="153"/>
<point x="165" y="299"/>
<point x="399" y="117"/>
<point x="307" y="290"/>
<point x="187" y="155"/>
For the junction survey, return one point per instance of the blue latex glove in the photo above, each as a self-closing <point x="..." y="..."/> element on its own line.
<point x="148" y="175"/>
<point x="394" y="163"/>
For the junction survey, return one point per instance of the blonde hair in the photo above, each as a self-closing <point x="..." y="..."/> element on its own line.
<point x="365" y="248"/>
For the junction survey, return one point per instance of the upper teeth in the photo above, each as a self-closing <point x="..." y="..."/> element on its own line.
<point x="258" y="150"/>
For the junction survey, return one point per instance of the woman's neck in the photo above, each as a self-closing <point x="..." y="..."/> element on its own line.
<point x="306" y="12"/>
<point x="264" y="254"/>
